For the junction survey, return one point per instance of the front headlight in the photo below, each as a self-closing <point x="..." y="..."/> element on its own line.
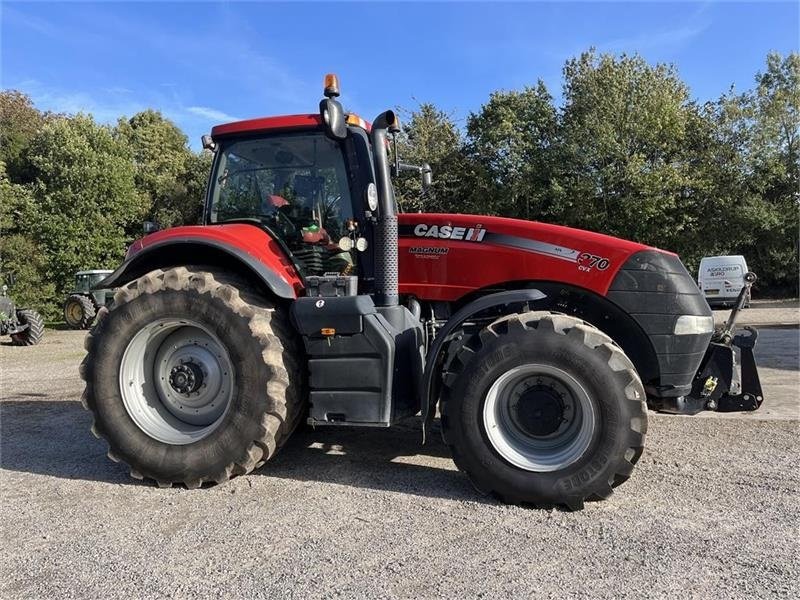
<point x="693" y="325"/>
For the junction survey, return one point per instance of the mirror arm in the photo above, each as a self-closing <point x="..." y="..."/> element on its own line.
<point x="424" y="170"/>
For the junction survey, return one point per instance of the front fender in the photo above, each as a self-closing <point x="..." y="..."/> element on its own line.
<point x="429" y="387"/>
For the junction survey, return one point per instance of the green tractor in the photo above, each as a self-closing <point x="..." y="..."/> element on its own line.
<point x="83" y="302"/>
<point x="24" y="325"/>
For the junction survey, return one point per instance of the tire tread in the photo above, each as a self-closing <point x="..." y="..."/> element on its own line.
<point x="267" y="325"/>
<point x="592" y="338"/>
<point x="35" y="332"/>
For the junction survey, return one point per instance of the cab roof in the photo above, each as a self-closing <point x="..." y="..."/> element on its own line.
<point x="267" y="124"/>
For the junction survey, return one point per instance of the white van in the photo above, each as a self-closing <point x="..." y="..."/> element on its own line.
<point x="721" y="278"/>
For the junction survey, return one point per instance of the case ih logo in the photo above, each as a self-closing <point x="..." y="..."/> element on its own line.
<point x="447" y="232"/>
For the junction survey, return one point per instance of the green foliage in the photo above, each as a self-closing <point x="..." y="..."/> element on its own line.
<point x="773" y="166"/>
<point x="20" y="254"/>
<point x="74" y="193"/>
<point x="624" y="133"/>
<point x="85" y="197"/>
<point x="430" y="136"/>
<point x="511" y="147"/>
<point x="169" y="175"/>
<point x="628" y="153"/>
<point x="19" y="122"/>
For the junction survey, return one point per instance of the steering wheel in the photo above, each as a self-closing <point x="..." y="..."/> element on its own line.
<point x="282" y="222"/>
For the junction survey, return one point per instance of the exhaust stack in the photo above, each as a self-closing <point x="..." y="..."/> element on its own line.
<point x="386" y="241"/>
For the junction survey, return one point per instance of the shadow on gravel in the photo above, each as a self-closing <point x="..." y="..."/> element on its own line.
<point x="46" y="437"/>
<point x="392" y="460"/>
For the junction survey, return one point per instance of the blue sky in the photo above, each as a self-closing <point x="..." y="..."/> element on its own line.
<point x="205" y="63"/>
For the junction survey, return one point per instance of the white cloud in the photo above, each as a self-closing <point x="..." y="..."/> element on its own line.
<point x="104" y="107"/>
<point x="211" y="114"/>
<point x="669" y="39"/>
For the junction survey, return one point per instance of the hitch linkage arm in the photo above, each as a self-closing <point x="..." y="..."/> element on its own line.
<point x="714" y="380"/>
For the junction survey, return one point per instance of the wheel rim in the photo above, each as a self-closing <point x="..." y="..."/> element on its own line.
<point x="539" y="418"/>
<point x="176" y="381"/>
<point x="74" y="312"/>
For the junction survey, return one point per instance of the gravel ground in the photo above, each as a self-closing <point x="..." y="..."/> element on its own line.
<point x="711" y="511"/>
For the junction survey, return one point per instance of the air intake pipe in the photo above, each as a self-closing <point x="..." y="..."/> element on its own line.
<point x="386" y="242"/>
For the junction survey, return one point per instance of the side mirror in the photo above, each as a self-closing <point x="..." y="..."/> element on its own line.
<point x="332" y="115"/>
<point x="149" y="227"/>
<point x="208" y="142"/>
<point x="427" y="176"/>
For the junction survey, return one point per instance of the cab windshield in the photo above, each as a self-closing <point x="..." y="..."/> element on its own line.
<point x="294" y="184"/>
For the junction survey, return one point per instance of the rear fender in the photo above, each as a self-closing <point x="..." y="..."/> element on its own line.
<point x="188" y="250"/>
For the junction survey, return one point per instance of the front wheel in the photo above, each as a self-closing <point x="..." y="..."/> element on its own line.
<point x="544" y="409"/>
<point x="191" y="377"/>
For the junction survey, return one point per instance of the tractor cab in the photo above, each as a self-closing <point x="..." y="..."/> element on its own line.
<point x="297" y="185"/>
<point x="86" y="281"/>
<point x="314" y="183"/>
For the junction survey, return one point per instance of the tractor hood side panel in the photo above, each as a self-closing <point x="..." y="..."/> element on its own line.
<point x="444" y="257"/>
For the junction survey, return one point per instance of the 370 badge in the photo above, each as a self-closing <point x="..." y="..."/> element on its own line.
<point x="587" y="262"/>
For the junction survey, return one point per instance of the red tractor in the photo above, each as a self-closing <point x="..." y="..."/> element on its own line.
<point x="304" y="296"/>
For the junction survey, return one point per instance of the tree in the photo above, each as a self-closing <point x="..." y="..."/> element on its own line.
<point x="774" y="167"/>
<point x="185" y="205"/>
<point x="162" y="161"/>
<point x="19" y="122"/>
<point x="431" y="137"/>
<point x="84" y="197"/>
<point x="511" y="144"/>
<point x="624" y="167"/>
<point x="20" y="256"/>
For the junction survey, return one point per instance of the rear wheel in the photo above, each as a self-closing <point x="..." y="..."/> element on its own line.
<point x="79" y="312"/>
<point x="191" y="377"/>
<point x="544" y="409"/>
<point x="35" y="331"/>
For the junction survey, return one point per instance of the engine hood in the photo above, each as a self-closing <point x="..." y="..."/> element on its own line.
<point x="445" y="256"/>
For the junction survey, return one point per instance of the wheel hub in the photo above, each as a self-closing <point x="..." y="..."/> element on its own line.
<point x="186" y="378"/>
<point x="539" y="411"/>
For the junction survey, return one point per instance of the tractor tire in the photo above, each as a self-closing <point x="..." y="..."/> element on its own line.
<point x="79" y="312"/>
<point x="192" y="377"/>
<point x="35" y="331"/>
<point x="543" y="409"/>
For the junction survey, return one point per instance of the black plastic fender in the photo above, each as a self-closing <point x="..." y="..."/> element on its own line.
<point x="429" y="392"/>
<point x="174" y="252"/>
